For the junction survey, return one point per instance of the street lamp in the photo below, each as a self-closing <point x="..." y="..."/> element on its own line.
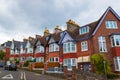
<point x="104" y="62"/>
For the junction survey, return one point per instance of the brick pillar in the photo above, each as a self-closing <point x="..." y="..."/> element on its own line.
<point x="31" y="66"/>
<point x="65" y="71"/>
<point x="73" y="73"/>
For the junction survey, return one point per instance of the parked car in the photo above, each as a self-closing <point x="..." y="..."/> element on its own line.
<point x="10" y="66"/>
<point x="1" y="64"/>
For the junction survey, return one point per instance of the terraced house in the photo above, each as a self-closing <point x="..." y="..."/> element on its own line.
<point x="75" y="45"/>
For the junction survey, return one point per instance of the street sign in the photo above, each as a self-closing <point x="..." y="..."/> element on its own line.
<point x="61" y="60"/>
<point x="9" y="76"/>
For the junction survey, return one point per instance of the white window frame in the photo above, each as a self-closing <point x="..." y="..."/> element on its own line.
<point x="69" y="62"/>
<point x="30" y="50"/>
<point x="12" y="51"/>
<point x="22" y="51"/>
<point x="68" y="47"/>
<point x="114" y="40"/>
<point x="102" y="44"/>
<point x="53" y="59"/>
<point x="84" y="30"/>
<point x="53" y="47"/>
<point x="117" y="63"/>
<point x="30" y="58"/>
<point x="40" y="59"/>
<point x="39" y="49"/>
<point x="16" y="51"/>
<point x="111" y="24"/>
<point x="84" y="46"/>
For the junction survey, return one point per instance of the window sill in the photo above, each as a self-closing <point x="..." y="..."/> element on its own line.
<point x="53" y="51"/>
<point x="69" y="52"/>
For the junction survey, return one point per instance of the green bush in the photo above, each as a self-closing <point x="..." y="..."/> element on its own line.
<point x="112" y="75"/>
<point x="26" y="64"/>
<point x="99" y="65"/>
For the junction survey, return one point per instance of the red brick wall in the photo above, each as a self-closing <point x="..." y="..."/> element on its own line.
<point x="116" y="51"/>
<point x="70" y="55"/>
<point x="102" y="31"/>
<point x="83" y="53"/>
<point x="53" y="54"/>
<point x="38" y="54"/>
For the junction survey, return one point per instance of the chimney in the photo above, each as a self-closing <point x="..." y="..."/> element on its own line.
<point x="31" y="38"/>
<point x="37" y="36"/>
<point x="46" y="32"/>
<point x="57" y="29"/>
<point x="25" y="40"/>
<point x="71" y="25"/>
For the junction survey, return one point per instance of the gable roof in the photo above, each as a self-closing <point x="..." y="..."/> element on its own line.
<point x="16" y="44"/>
<point x="72" y="34"/>
<point x="8" y="44"/>
<point x="55" y="36"/>
<point x="42" y="41"/>
<point x="23" y="44"/>
<point x="103" y="16"/>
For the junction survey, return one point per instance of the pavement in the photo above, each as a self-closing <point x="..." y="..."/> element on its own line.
<point x="24" y="75"/>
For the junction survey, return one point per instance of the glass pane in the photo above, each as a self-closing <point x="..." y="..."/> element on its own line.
<point x="68" y="47"/>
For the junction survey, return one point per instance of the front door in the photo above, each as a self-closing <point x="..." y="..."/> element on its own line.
<point x="86" y="66"/>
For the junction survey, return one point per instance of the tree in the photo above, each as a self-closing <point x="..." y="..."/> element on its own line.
<point x="98" y="62"/>
<point x="2" y="55"/>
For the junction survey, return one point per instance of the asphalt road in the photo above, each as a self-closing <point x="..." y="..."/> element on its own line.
<point x="23" y="75"/>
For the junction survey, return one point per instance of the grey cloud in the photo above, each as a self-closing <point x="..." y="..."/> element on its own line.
<point x="21" y="18"/>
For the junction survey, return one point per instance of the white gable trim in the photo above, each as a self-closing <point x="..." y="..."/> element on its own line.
<point x="67" y="38"/>
<point x="12" y="46"/>
<point x="28" y="44"/>
<point x="109" y="9"/>
<point x="38" y="43"/>
<point x="51" y="40"/>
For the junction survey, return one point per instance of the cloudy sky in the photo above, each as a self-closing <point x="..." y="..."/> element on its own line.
<point x="23" y="18"/>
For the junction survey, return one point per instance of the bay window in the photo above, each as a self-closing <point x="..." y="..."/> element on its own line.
<point x="102" y="44"/>
<point x="11" y="51"/>
<point x="53" y="47"/>
<point x="39" y="49"/>
<point x="69" y="63"/>
<point x="69" y="47"/>
<point x="117" y="63"/>
<point x="29" y="50"/>
<point x="40" y="59"/>
<point x="115" y="40"/>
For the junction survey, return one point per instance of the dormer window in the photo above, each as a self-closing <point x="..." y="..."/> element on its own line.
<point x="84" y="30"/>
<point x="111" y="25"/>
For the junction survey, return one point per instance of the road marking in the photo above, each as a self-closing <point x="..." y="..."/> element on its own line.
<point x="0" y="71"/>
<point x="9" y="76"/>
<point x="23" y="76"/>
<point x="37" y="74"/>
